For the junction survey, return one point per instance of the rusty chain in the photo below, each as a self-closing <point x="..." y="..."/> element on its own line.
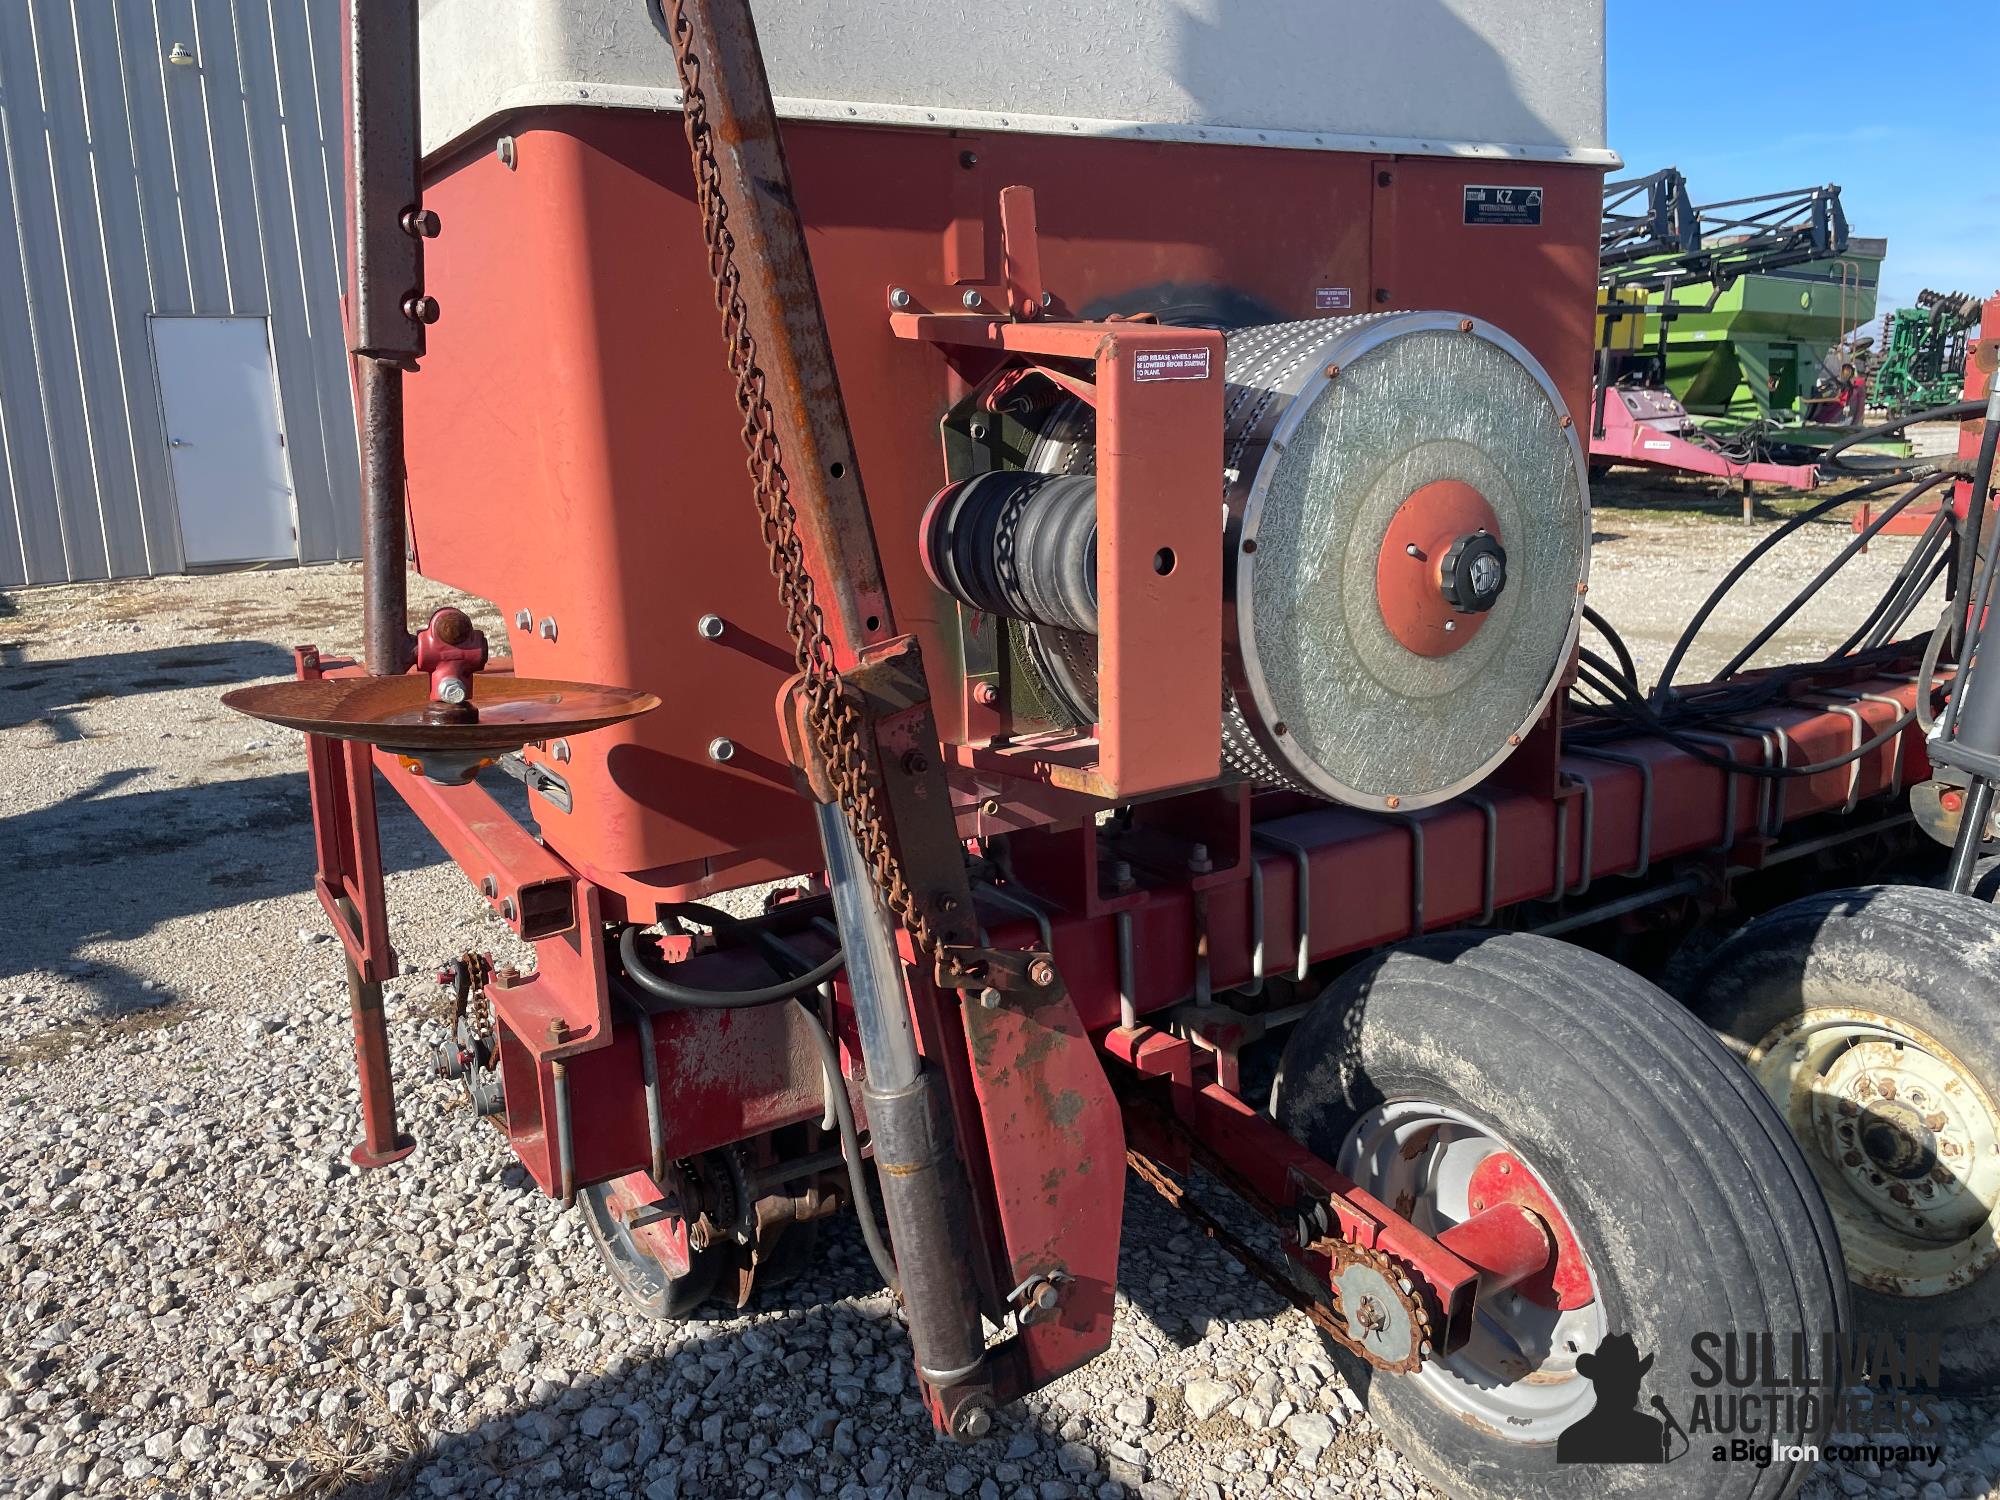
<point x="839" y="733"/>
<point x="1332" y="1321"/>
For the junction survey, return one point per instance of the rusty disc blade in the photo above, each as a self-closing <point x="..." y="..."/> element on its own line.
<point x="389" y="711"/>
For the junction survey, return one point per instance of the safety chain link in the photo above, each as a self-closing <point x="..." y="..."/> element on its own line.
<point x="836" y="724"/>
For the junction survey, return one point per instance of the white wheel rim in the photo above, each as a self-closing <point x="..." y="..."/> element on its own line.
<point x="1516" y="1377"/>
<point x="1904" y="1140"/>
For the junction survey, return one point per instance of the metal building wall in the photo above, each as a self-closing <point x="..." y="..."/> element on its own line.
<point x="137" y="186"/>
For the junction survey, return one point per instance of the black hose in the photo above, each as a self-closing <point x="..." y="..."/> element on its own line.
<point x="792" y="988"/>
<point x="1975" y="515"/>
<point x="1956" y="411"/>
<point x="850" y="1148"/>
<point x="1927" y="668"/>
<point x="1745" y="563"/>
<point x="1917" y="573"/>
<point x="1613" y="639"/>
<point x="1820" y="580"/>
<point x="1912" y="594"/>
<point x="690" y="997"/>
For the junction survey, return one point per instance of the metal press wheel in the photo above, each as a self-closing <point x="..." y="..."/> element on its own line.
<point x="637" y="1273"/>
<point x="1867" y="1015"/>
<point x="1677" y="1200"/>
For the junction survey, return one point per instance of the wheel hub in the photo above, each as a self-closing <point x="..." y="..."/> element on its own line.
<point x="1895" y="1138"/>
<point x="1903" y="1139"/>
<point x="1517" y="1373"/>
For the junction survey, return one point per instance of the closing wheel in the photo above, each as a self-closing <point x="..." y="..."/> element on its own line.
<point x="640" y="1274"/>
<point x="1679" y="1204"/>
<point x="1868" y="1016"/>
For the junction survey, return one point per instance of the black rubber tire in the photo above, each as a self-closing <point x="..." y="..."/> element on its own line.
<point x="1926" y="957"/>
<point x="640" y="1278"/>
<point x="1692" y="1203"/>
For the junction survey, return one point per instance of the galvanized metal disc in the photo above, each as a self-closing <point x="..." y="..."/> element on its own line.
<point x="1316" y="467"/>
<point x="1323" y="696"/>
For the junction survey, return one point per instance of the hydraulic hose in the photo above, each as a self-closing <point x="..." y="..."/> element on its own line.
<point x="793" y="988"/>
<point x="691" y="997"/>
<point x="850" y="1147"/>
<point x="1975" y="513"/>
<point x="1745" y="563"/>
<point x="1956" y="411"/>
<point x="1799" y="601"/>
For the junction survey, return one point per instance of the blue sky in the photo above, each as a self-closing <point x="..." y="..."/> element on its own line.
<point x="1754" y="96"/>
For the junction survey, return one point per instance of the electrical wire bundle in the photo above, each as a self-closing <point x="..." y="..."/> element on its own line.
<point x="1612" y="705"/>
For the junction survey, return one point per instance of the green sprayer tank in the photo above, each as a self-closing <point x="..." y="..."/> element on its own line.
<point x="1755" y="354"/>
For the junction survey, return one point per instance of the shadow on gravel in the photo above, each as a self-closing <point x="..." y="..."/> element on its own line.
<point x="53" y="690"/>
<point x="99" y="867"/>
<point x="812" y="1383"/>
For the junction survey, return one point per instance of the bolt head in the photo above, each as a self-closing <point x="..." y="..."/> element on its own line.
<point x="1041" y="973"/>
<point x="972" y="297"/>
<point x="898" y="298"/>
<point x="1048" y="299"/>
<point x="709" y="627"/>
<point x="548" y="630"/>
<point x="452" y="690"/>
<point x="721" y="748"/>
<point x="986" y="695"/>
<point x="560" y="750"/>
<point x="423" y="310"/>
<point x="524" y="619"/>
<point x="972" y="1423"/>
<point x="989" y="999"/>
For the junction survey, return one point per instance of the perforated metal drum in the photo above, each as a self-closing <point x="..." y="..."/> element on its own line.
<point x="1408" y="528"/>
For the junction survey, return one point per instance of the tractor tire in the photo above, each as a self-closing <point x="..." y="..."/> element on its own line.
<point x="1689" y="1204"/>
<point x="1867" y="1015"/>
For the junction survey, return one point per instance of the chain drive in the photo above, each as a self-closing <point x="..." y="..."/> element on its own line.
<point x="1353" y="1328"/>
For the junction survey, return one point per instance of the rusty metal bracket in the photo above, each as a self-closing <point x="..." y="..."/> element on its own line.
<point x="894" y="699"/>
<point x="999" y="970"/>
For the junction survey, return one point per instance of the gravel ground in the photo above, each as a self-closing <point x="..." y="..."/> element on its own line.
<point x="202" y="1298"/>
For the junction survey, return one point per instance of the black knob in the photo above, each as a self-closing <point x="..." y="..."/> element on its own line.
<point x="1473" y="573"/>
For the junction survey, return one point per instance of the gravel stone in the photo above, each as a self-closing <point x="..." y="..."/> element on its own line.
<point x="1205" y="1397"/>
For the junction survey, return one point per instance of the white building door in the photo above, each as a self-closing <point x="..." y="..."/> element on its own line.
<point x="232" y="482"/>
